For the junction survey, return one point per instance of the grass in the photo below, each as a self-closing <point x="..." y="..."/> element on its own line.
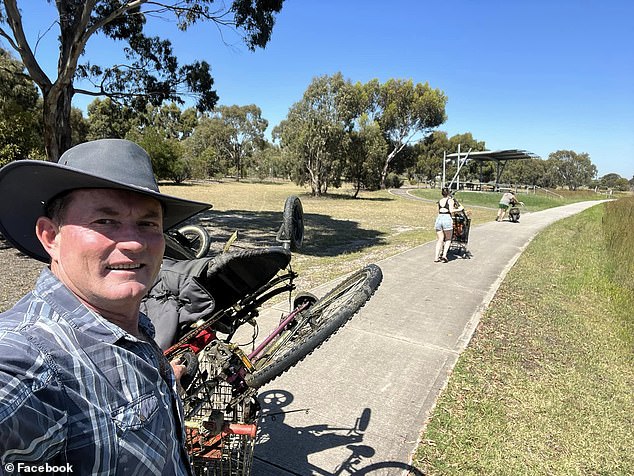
<point x="532" y="202"/>
<point x="341" y="233"/>
<point x="545" y="386"/>
<point x="617" y="231"/>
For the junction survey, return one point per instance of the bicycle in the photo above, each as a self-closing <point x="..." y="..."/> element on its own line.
<point x="220" y="388"/>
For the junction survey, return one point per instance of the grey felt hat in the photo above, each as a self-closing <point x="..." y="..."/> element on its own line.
<point x="26" y="186"/>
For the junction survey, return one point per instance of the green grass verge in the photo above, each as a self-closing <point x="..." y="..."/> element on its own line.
<point x="545" y="386"/>
<point x="619" y="239"/>
<point x="532" y="202"/>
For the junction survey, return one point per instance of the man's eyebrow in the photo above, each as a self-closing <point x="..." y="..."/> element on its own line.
<point x="111" y="211"/>
<point x="107" y="210"/>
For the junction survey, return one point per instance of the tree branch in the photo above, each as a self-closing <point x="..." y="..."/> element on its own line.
<point x="114" y="15"/>
<point x="8" y="37"/>
<point x="21" y="45"/>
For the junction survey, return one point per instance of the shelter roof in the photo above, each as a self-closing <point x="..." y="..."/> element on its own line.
<point x="496" y="155"/>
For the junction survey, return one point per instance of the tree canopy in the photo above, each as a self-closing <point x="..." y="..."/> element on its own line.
<point x="571" y="169"/>
<point x="337" y="122"/>
<point x="243" y="134"/>
<point x="334" y="133"/>
<point x="313" y="135"/>
<point x="404" y="110"/>
<point x="19" y="119"/>
<point x="152" y="73"/>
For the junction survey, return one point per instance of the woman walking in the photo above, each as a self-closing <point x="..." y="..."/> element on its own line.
<point x="444" y="225"/>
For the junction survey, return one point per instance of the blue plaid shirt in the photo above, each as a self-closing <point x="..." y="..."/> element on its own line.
<point x="79" y="392"/>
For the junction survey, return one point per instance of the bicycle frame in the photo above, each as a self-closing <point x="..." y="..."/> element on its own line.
<point x="207" y="432"/>
<point x="253" y="356"/>
<point x="238" y="314"/>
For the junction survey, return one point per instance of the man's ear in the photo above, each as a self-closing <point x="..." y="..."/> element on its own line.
<point x="47" y="232"/>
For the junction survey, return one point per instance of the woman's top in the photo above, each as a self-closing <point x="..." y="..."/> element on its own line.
<point x="444" y="206"/>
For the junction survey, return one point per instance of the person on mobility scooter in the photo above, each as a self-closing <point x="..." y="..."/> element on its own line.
<point x="508" y="203"/>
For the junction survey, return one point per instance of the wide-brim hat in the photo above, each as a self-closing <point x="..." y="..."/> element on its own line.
<point x="26" y="186"/>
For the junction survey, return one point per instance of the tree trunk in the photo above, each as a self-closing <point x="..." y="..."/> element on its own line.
<point x="390" y="156"/>
<point x="357" y="189"/>
<point x="57" y="130"/>
<point x="388" y="160"/>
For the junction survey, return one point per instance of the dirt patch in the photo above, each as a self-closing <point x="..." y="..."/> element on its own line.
<point x="19" y="274"/>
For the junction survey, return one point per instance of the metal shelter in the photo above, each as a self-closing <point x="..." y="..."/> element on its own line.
<point x="500" y="157"/>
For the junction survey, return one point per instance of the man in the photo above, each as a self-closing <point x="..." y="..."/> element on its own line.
<point x="83" y="385"/>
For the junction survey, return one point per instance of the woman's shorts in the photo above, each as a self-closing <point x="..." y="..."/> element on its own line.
<point x="443" y="222"/>
<point x="503" y="206"/>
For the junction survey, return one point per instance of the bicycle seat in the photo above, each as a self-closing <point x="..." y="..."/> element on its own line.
<point x="189" y="290"/>
<point x="233" y="275"/>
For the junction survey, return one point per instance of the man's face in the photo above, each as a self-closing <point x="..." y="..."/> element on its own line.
<point x="109" y="247"/>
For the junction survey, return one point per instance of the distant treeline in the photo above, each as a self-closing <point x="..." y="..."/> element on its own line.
<point x="372" y="135"/>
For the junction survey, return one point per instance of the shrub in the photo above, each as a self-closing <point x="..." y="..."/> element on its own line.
<point x="393" y="181"/>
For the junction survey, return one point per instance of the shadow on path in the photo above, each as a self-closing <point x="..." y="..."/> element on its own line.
<point x="296" y="444"/>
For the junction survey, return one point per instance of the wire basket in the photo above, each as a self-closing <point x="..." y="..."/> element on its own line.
<point x="220" y="421"/>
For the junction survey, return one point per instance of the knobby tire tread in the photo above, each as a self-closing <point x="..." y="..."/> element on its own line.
<point x="292" y="222"/>
<point x="306" y="345"/>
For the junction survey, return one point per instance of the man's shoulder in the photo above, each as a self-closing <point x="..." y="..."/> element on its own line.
<point x="18" y="350"/>
<point x="23" y="324"/>
<point x="18" y="316"/>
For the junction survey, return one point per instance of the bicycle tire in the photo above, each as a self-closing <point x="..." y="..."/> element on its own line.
<point x="292" y="228"/>
<point x="197" y="238"/>
<point x="316" y="324"/>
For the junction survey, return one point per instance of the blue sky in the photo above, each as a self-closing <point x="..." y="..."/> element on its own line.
<point x="540" y="75"/>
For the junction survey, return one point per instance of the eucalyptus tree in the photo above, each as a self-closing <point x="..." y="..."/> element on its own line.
<point x="404" y="111"/>
<point x="268" y="162"/>
<point x="166" y="153"/>
<point x="171" y="120"/>
<point x="202" y="148"/>
<point x="430" y="151"/>
<point x="614" y="181"/>
<point x="108" y="119"/>
<point x="314" y="136"/>
<point x="152" y="73"/>
<point x="465" y="142"/>
<point x="572" y="169"/>
<point x="530" y="171"/>
<point x="365" y="156"/>
<point x="243" y="135"/>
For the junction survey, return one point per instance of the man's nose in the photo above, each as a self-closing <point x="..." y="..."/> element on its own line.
<point x="132" y="237"/>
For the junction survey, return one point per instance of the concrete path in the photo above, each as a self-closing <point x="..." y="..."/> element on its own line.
<point x="360" y="402"/>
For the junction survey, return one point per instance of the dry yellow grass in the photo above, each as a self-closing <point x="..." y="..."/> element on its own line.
<point x="341" y="233"/>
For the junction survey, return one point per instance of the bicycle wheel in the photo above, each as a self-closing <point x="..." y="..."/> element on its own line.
<point x="197" y="239"/>
<point x="315" y="325"/>
<point x="292" y="228"/>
